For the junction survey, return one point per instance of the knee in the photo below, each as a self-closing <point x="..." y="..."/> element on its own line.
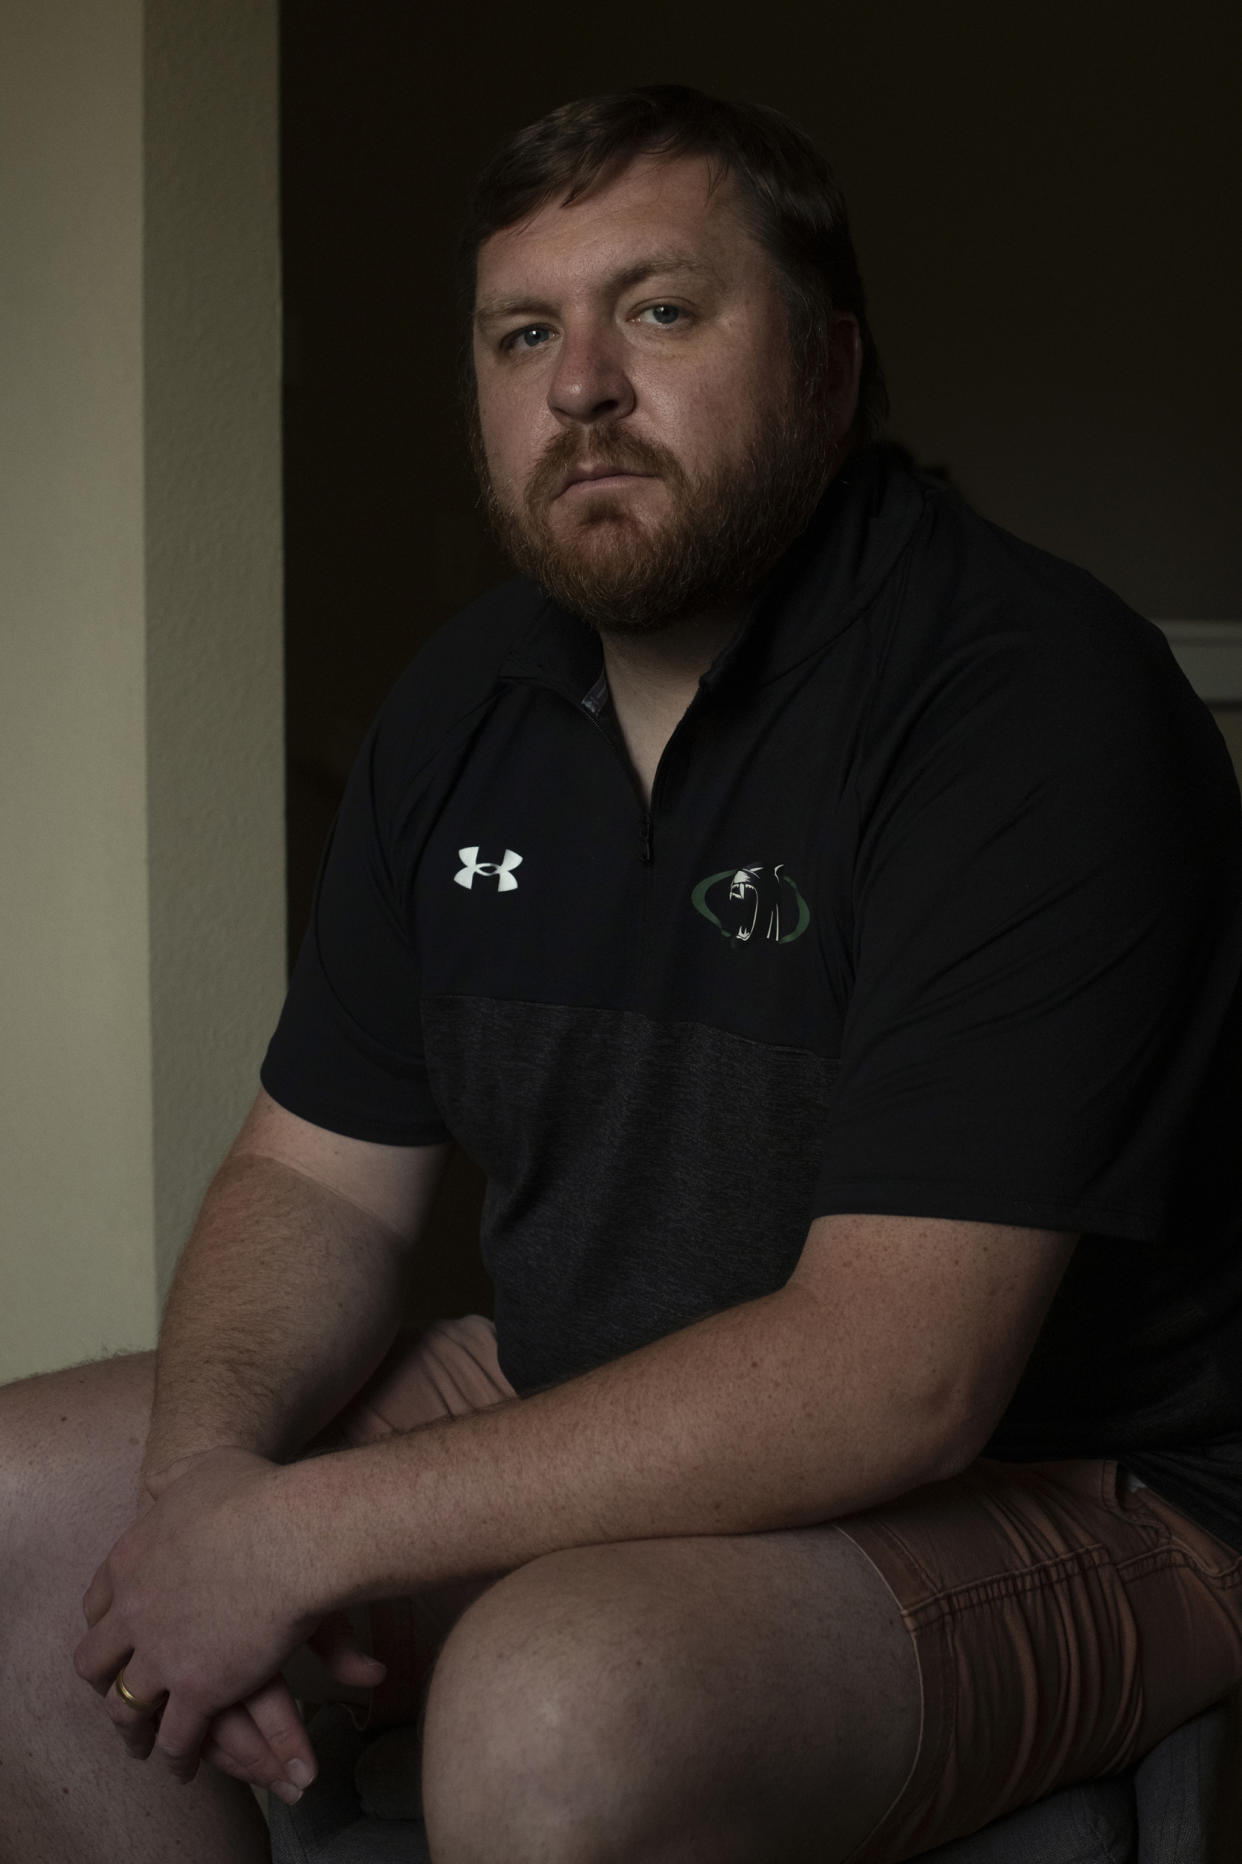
<point x="512" y="1737"/>
<point x="70" y="1447"/>
<point x="557" y="1716"/>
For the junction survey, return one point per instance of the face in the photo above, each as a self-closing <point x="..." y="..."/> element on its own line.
<point x="642" y="442"/>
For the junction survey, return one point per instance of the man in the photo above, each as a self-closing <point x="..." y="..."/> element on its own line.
<point x="821" y="916"/>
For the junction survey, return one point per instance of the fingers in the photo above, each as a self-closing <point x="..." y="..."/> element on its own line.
<point x="139" y="1744"/>
<point x="138" y="1732"/>
<point x="153" y="1721"/>
<point x="237" y="1747"/>
<point x="180" y="1736"/>
<point x="264" y="1743"/>
<point x="97" y="1597"/>
<point x="103" y="1652"/>
<point x="222" y="1760"/>
<point x="336" y="1645"/>
<point x="261" y="1741"/>
<point x="275" y="1718"/>
<point x="264" y="1740"/>
<point x="219" y="1758"/>
<point x="136" y="1722"/>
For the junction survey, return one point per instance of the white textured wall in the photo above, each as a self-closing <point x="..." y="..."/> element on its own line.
<point x="76" y="1201"/>
<point x="215" y="697"/>
<point x="141" y="796"/>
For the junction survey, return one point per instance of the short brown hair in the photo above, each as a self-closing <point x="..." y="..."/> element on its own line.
<point x="796" y="206"/>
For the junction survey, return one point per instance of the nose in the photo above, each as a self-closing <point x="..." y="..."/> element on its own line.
<point x="590" y="381"/>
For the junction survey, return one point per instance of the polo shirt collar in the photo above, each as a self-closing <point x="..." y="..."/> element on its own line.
<point x="828" y="576"/>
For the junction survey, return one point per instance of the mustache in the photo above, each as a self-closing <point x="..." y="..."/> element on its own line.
<point x="619" y="452"/>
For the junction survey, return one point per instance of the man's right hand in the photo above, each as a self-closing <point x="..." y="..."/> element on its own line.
<point x="260" y="1739"/>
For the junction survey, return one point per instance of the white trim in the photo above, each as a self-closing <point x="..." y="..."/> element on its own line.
<point x="1210" y="655"/>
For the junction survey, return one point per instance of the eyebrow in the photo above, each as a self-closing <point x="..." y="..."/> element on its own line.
<point x="657" y="265"/>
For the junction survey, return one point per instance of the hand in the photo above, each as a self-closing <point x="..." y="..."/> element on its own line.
<point x="153" y="1482"/>
<point x="203" y="1599"/>
<point x="258" y="1740"/>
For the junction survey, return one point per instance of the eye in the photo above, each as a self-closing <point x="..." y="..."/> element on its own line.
<point x="665" y="315"/>
<point x="516" y="339"/>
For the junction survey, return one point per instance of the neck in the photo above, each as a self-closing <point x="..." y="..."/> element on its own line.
<point x="670" y="658"/>
<point x="653" y="678"/>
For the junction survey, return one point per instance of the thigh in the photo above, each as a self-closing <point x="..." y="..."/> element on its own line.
<point x="71" y="1446"/>
<point x="1064" y="1625"/>
<point x="70" y="1450"/>
<point x="715" y="1697"/>
<point x="866" y="1690"/>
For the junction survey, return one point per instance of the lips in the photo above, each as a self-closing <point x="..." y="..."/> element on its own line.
<point x="584" y="475"/>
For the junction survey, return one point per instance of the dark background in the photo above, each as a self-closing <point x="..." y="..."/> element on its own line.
<point x="1044" y="198"/>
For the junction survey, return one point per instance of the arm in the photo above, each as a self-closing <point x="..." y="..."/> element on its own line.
<point x="884" y="1363"/>
<point x="881" y="1365"/>
<point x="285" y="1298"/>
<point x="289" y="1290"/>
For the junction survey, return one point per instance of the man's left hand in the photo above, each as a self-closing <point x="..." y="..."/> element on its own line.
<point x="202" y="1598"/>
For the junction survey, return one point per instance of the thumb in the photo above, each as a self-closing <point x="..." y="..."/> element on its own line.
<point x="336" y="1645"/>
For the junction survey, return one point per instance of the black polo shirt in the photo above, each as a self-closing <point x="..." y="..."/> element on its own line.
<point x="937" y="910"/>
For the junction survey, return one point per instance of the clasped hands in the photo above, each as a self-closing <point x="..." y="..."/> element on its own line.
<point x="200" y="1603"/>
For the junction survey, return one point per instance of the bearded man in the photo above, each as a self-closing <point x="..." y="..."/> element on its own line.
<point x="820" y="915"/>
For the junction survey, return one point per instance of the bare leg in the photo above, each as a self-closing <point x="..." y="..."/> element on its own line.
<point x="70" y="1447"/>
<point x="709" y="1700"/>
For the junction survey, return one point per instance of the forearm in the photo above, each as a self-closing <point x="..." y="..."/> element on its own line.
<point x="285" y="1298"/>
<point x="752" y="1419"/>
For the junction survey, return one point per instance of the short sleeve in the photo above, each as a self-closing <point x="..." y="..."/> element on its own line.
<point x="1047" y="932"/>
<point x="347" y="1053"/>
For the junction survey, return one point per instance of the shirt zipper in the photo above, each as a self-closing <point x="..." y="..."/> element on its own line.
<point x="647" y="815"/>
<point x="623" y="758"/>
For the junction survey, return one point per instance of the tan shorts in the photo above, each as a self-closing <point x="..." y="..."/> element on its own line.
<point x="1064" y="1621"/>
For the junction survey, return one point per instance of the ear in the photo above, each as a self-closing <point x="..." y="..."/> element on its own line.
<point x="844" y="372"/>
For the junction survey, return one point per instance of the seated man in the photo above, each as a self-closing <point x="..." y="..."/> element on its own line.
<point x="820" y="915"/>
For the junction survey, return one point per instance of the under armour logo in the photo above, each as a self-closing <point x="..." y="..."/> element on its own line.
<point x="500" y="871"/>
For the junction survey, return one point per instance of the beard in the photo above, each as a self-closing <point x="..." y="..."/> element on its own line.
<point x="723" y="533"/>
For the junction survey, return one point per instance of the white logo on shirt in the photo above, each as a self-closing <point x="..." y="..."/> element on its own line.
<point x="500" y="871"/>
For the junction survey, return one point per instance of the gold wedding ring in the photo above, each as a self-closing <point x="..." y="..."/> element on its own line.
<point x="127" y="1696"/>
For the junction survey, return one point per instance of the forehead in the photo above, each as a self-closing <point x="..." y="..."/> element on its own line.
<point x="653" y="206"/>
